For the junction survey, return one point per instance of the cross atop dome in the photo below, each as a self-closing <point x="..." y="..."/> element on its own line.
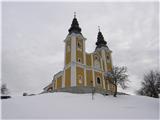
<point x="99" y="28"/>
<point x="74" y="14"/>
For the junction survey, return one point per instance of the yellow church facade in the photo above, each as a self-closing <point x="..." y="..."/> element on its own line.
<point x="83" y="71"/>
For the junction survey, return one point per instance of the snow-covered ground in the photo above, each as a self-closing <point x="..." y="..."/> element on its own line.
<point x="67" y="105"/>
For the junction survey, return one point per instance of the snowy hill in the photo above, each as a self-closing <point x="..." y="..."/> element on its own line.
<point x="67" y="105"/>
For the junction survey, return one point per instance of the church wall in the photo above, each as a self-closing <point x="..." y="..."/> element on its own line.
<point x="68" y="77"/>
<point x="53" y="85"/>
<point x="108" y="61"/>
<point x="106" y="84"/>
<point x="80" y="76"/>
<point x="79" y="56"/>
<point x="79" y="51"/>
<point x="103" y="65"/>
<point x="89" y="77"/>
<point x="112" y="88"/>
<point x="97" y="61"/>
<point x="59" y="82"/>
<point x="100" y="60"/>
<point x="68" y="52"/>
<point x="88" y="60"/>
<point x="103" y="54"/>
<point x="98" y="75"/>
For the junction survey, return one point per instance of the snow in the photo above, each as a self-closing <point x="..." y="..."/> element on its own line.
<point x="68" y="105"/>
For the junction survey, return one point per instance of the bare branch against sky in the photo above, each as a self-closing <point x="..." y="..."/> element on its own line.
<point x="33" y="34"/>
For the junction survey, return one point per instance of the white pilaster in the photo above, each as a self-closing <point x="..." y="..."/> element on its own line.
<point x="84" y="56"/>
<point x="94" y="83"/>
<point x="104" y="59"/>
<point x="104" y="86"/>
<point x="111" y="59"/>
<point x="108" y="85"/>
<point x="63" y="79"/>
<point x="73" y="60"/>
<point x="65" y="53"/>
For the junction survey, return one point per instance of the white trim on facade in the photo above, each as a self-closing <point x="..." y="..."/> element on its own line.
<point x="73" y="74"/>
<point x="73" y="48"/>
<point x="94" y="84"/>
<point x="104" y="86"/>
<point x="104" y="59"/>
<point x="57" y="75"/>
<point x="63" y="79"/>
<point x="73" y="59"/>
<point x="67" y="66"/>
<point x="84" y="56"/>
<point x="111" y="59"/>
<point x="108" y="85"/>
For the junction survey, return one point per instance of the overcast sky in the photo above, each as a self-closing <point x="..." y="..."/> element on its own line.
<point x="33" y="35"/>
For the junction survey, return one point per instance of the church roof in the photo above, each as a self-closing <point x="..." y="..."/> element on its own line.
<point x="74" y="26"/>
<point x="100" y="40"/>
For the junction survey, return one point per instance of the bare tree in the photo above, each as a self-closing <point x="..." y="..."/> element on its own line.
<point x="25" y="94"/>
<point x="119" y="76"/>
<point x="150" y="84"/>
<point x="4" y="89"/>
<point x="4" y="92"/>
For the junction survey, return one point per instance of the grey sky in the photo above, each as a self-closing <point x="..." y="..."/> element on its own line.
<point x="33" y="34"/>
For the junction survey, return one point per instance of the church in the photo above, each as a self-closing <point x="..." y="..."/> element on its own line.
<point x="83" y="72"/>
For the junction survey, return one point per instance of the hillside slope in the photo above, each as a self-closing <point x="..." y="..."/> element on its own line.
<point x="67" y="105"/>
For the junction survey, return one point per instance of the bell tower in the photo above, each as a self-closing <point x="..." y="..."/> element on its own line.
<point x="74" y="73"/>
<point x="101" y="46"/>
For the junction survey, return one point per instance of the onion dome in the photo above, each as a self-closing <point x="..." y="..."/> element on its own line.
<point x="74" y="26"/>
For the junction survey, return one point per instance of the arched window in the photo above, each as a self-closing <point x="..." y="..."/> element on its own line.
<point x="108" y="59"/>
<point x="79" y="60"/>
<point x="98" y="80"/>
<point x="79" y="46"/>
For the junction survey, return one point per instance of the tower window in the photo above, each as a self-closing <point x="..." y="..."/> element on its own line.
<point x="108" y="60"/>
<point x="79" y="60"/>
<point x="96" y="57"/>
<point x="98" y="80"/>
<point x="79" y="46"/>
